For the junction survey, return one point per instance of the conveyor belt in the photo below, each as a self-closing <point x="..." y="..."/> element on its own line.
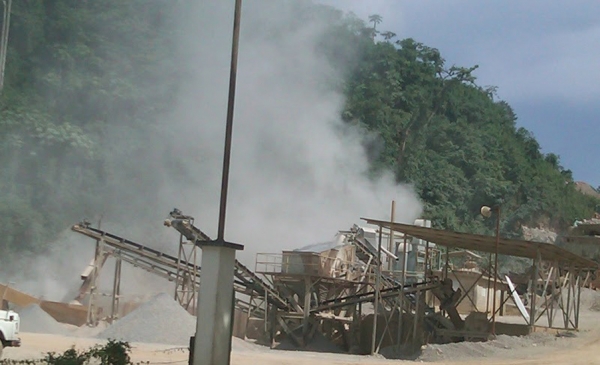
<point x="165" y="265"/>
<point x="252" y="282"/>
<point x="370" y="296"/>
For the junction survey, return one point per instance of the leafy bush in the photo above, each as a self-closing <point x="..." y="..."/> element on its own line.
<point x="112" y="353"/>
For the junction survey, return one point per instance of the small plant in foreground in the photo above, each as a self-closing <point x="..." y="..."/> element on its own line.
<point x="112" y="353"/>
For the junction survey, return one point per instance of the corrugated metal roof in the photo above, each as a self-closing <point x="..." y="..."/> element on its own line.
<point x="475" y="242"/>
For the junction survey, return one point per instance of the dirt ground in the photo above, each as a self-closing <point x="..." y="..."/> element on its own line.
<point x="583" y="349"/>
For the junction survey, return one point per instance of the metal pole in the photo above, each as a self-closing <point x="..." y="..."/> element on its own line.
<point x="532" y="311"/>
<point x="489" y="284"/>
<point x="416" y="317"/>
<point x="179" y="279"/>
<point x="496" y="271"/>
<point x="403" y="283"/>
<point x="229" y="125"/>
<point x="391" y="240"/>
<point x="577" y="304"/>
<point x="4" y="41"/>
<point x="426" y="268"/>
<point x="212" y="341"/>
<point x="114" y="310"/>
<point x="377" y="292"/>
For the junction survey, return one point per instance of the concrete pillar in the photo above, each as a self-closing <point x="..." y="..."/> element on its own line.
<point x="212" y="345"/>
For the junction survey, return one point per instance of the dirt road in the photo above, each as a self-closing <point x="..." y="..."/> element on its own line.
<point x="579" y="351"/>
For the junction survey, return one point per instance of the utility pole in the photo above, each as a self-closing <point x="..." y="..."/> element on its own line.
<point x="212" y="342"/>
<point x="4" y="40"/>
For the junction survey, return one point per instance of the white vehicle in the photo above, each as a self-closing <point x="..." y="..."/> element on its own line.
<point x="9" y="329"/>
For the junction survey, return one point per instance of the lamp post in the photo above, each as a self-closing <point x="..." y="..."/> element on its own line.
<point x="212" y="341"/>
<point x="487" y="213"/>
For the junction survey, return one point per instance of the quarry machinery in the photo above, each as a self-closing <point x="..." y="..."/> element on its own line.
<point x="185" y="274"/>
<point x="328" y="298"/>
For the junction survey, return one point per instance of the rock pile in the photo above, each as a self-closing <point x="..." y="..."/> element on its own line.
<point x="160" y="320"/>
<point x="34" y="319"/>
<point x="589" y="300"/>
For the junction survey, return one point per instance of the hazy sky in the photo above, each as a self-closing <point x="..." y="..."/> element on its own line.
<point x="544" y="57"/>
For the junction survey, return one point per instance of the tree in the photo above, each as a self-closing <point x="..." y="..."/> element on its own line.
<point x="376" y="20"/>
<point x="459" y="146"/>
<point x="388" y="35"/>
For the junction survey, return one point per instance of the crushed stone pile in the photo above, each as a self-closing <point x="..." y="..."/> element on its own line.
<point x="34" y="319"/>
<point x="159" y="320"/>
<point x="501" y="346"/>
<point x="589" y="300"/>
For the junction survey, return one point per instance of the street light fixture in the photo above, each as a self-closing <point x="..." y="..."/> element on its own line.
<point x="487" y="213"/>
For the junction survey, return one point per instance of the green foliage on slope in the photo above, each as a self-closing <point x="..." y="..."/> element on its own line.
<point x="460" y="147"/>
<point x="78" y="73"/>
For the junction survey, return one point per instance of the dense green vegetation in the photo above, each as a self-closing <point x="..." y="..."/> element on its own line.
<point x="82" y="75"/>
<point x="460" y="147"/>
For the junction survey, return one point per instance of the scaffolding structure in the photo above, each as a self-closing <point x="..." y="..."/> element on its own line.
<point x="355" y="293"/>
<point x="554" y="280"/>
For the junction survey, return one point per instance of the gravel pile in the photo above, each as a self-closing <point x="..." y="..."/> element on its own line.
<point x="501" y="346"/>
<point x="590" y="300"/>
<point x="160" y="320"/>
<point x="34" y="319"/>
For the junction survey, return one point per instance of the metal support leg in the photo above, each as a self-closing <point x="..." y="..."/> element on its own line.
<point x="305" y="320"/>
<point x="377" y="293"/>
<point x="114" y="310"/>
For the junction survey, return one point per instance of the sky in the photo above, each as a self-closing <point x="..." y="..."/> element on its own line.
<point x="544" y="57"/>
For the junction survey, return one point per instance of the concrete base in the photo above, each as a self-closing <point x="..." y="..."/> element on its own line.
<point x="212" y="344"/>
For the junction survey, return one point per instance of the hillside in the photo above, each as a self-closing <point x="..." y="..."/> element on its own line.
<point x="92" y="90"/>
<point x="587" y="189"/>
<point x="459" y="145"/>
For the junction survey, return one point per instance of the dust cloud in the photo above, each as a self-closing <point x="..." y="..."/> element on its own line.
<point x="298" y="173"/>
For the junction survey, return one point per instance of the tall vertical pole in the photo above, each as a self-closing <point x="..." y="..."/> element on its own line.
<point x="91" y="316"/>
<point x="116" y="293"/>
<point x="377" y="292"/>
<point x="496" y="270"/>
<point x="214" y="320"/>
<point x="4" y="40"/>
<point x="402" y="283"/>
<point x="179" y="282"/>
<point x="391" y="238"/>
<point x="532" y="310"/>
<point x="229" y="125"/>
<point x="489" y="285"/>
